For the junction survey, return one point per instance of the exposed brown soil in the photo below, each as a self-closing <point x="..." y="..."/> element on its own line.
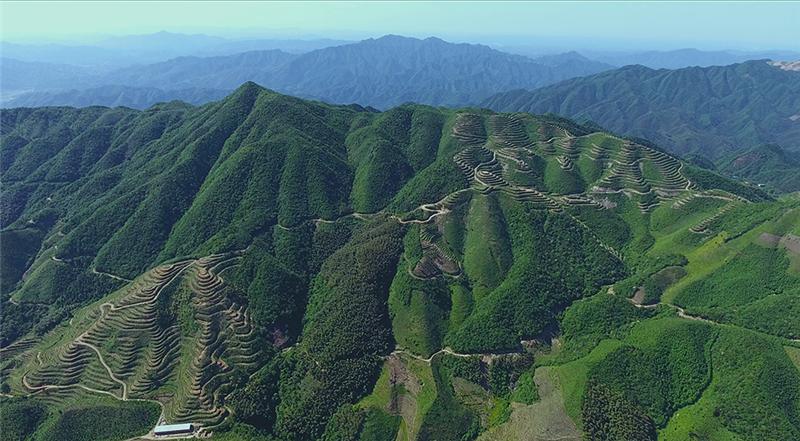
<point x="544" y="420"/>
<point x="404" y="405"/>
<point x="638" y="297"/>
<point x="792" y="243"/>
<point x="769" y="240"/>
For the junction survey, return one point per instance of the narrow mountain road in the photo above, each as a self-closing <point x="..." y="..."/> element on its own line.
<point x="108" y="368"/>
<point x="67" y="386"/>
<point x="319" y="220"/>
<point x="105" y="308"/>
<point x="103" y="273"/>
<point x="687" y="316"/>
<point x="449" y="351"/>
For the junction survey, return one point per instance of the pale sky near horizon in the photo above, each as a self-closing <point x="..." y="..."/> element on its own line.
<point x="607" y="25"/>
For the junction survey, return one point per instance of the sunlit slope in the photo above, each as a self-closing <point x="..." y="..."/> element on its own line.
<point x="267" y="266"/>
<point x="177" y="335"/>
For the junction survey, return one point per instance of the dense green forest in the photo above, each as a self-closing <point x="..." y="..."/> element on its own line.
<point x="270" y="268"/>
<point x="768" y="164"/>
<point x="740" y="118"/>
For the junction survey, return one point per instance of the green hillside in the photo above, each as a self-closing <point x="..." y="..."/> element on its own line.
<point x="716" y="111"/>
<point x="271" y="268"/>
<point x="768" y="165"/>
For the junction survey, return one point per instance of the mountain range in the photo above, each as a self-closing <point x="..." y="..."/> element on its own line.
<point x="713" y="111"/>
<point x="379" y="72"/>
<point x="689" y="57"/>
<point x="126" y="50"/>
<point x="270" y="268"/>
<point x="114" y="96"/>
<point x="716" y="112"/>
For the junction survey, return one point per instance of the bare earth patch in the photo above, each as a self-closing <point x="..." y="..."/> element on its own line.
<point x="769" y="240"/>
<point x="792" y="243"/>
<point x="638" y="297"/>
<point x="786" y="65"/>
<point x="544" y="420"/>
<point x="794" y="355"/>
<point x="403" y="404"/>
<point x="789" y="242"/>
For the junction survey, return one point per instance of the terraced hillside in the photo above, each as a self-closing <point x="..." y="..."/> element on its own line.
<point x="713" y="111"/>
<point x="271" y="268"/>
<point x="134" y="347"/>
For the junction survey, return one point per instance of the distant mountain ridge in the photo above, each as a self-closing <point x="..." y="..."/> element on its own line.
<point x="221" y="72"/>
<point x="113" y="96"/>
<point x="380" y="72"/>
<point x="713" y="111"/>
<point x="680" y="58"/>
<point x="29" y="75"/>
<point x="126" y="50"/>
<point x="392" y="69"/>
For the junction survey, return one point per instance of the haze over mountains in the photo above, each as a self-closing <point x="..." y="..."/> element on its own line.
<point x="113" y="96"/>
<point x="126" y="50"/>
<point x="681" y="58"/>
<point x="394" y="70"/>
<point x="376" y="72"/>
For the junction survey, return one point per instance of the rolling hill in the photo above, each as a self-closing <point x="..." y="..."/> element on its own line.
<point x="272" y="268"/>
<point x="712" y="111"/>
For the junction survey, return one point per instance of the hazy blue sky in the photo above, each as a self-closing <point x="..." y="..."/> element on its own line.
<point x="734" y="25"/>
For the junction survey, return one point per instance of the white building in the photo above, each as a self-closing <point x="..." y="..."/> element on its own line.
<point x="173" y="429"/>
